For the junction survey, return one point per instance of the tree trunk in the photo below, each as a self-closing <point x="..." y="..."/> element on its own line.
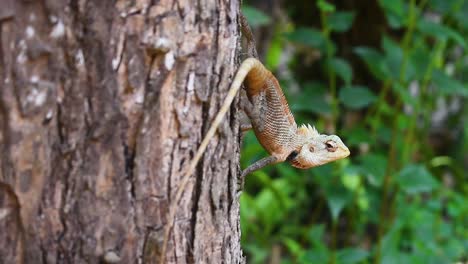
<point x="102" y="106"/>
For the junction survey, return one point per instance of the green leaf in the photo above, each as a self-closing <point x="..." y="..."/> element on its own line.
<point x="394" y="11"/>
<point x="342" y="68"/>
<point x="357" y="135"/>
<point x="351" y="178"/>
<point x="272" y="203"/>
<point x="255" y="17"/>
<point x="356" y="96"/>
<point x="341" y="21"/>
<point x="312" y="99"/>
<point x="314" y="256"/>
<point x="315" y="234"/>
<point x="419" y="61"/>
<point x="351" y="255"/>
<point x="275" y="50"/>
<point x="395" y="6"/>
<point x="454" y="248"/>
<point x="415" y="178"/>
<point x="374" y="60"/>
<point x="462" y="18"/>
<point x="258" y="254"/>
<point x="373" y="167"/>
<point x="394" y="256"/>
<point x="337" y="198"/>
<point x="393" y="57"/>
<point x="403" y="121"/>
<point x="310" y="37"/>
<point x="322" y="174"/>
<point x="293" y="246"/>
<point x="248" y="210"/>
<point x="447" y="85"/>
<point x="440" y="31"/>
<point x="320" y="252"/>
<point x="324" y="6"/>
<point x="384" y="132"/>
<point x="249" y="214"/>
<point x="444" y="6"/>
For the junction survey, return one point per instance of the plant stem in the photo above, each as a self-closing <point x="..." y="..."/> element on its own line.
<point x="409" y="147"/>
<point x="333" y="242"/>
<point x="331" y="73"/>
<point x="392" y="162"/>
<point x="382" y="95"/>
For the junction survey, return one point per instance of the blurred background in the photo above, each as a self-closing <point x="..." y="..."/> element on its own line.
<point x="390" y="77"/>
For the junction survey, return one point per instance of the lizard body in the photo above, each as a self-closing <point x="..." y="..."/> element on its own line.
<point x="273" y="125"/>
<point x="276" y="129"/>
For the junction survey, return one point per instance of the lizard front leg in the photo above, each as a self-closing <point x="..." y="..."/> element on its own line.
<point x="259" y="164"/>
<point x="255" y="166"/>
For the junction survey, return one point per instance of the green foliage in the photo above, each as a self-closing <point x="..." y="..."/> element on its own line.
<point x="394" y="11"/>
<point x="324" y="6"/>
<point x="356" y="96"/>
<point x="341" y="68"/>
<point x="440" y="32"/>
<point x="398" y="99"/>
<point x="255" y="17"/>
<point x="312" y="99"/>
<point x="414" y="179"/>
<point x="309" y="37"/>
<point x="374" y="61"/>
<point x="341" y="21"/>
<point x="447" y="85"/>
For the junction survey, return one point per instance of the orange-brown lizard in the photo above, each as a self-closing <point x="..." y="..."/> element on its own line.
<point x="274" y="126"/>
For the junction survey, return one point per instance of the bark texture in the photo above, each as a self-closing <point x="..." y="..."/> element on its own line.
<point x="102" y="105"/>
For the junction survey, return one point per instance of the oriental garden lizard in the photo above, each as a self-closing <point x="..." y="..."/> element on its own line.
<point x="273" y="124"/>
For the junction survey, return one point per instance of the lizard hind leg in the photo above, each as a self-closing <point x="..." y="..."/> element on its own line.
<point x="248" y="109"/>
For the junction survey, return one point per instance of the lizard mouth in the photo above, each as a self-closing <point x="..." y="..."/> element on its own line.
<point x="292" y="158"/>
<point x="295" y="163"/>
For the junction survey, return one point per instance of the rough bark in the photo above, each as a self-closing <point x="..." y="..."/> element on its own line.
<point x="102" y="105"/>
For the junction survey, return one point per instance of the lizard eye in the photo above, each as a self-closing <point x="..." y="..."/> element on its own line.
<point x="331" y="146"/>
<point x="311" y="149"/>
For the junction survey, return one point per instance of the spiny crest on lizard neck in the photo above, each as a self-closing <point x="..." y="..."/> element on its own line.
<point x="308" y="131"/>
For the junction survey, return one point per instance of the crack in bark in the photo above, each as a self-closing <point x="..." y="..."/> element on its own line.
<point x="211" y="198"/>
<point x="129" y="167"/>
<point x="196" y="195"/>
<point x="63" y="203"/>
<point x="129" y="171"/>
<point x="229" y="193"/>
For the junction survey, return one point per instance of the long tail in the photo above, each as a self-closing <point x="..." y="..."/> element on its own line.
<point x="246" y="66"/>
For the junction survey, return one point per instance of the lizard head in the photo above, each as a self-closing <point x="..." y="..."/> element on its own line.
<point x="318" y="149"/>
